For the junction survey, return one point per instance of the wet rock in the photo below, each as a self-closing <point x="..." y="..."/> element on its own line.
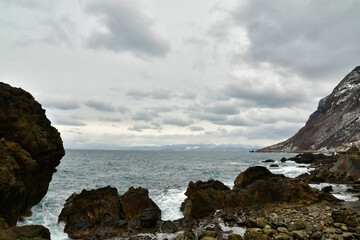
<point x="30" y="150"/>
<point x="299" y="234"/>
<point x="234" y="237"/>
<point x="136" y="202"/>
<point x="273" y="165"/>
<point x="268" y="161"/>
<point x="283" y="159"/>
<point x="282" y="236"/>
<point x="83" y="212"/>
<point x="349" y="162"/>
<point x="327" y="189"/>
<point x="250" y="175"/>
<point x="204" y="198"/>
<point x="255" y="186"/>
<point x="250" y="235"/>
<point x="352" y="221"/>
<point x="338" y="216"/>
<point x="33" y="231"/>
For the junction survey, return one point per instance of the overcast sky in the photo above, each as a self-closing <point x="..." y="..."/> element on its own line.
<point x="156" y="72"/>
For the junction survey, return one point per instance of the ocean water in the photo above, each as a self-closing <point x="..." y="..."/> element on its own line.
<point x="165" y="174"/>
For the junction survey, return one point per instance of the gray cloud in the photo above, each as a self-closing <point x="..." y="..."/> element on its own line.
<point x="265" y="97"/>
<point x="146" y="116"/>
<point x="177" y="121"/>
<point x="196" y="128"/>
<point x="100" y="105"/>
<point x="122" y="109"/>
<point x="316" y="39"/>
<point x="62" y="104"/>
<point x="69" y="121"/>
<point x="141" y="127"/>
<point x="159" y="94"/>
<point x="223" y="108"/>
<point x="111" y="119"/>
<point x="128" y="30"/>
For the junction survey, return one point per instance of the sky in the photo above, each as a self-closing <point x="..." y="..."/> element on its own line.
<point x="128" y="73"/>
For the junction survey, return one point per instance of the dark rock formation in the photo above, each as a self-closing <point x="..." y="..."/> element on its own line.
<point x="34" y="232"/>
<point x="135" y="201"/>
<point x="349" y="163"/>
<point x="83" y="212"/>
<point x="30" y="150"/>
<point x="102" y="213"/>
<point x="334" y="123"/>
<point x="250" y="175"/>
<point x="255" y="186"/>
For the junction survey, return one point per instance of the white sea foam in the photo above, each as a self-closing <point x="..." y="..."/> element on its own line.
<point x="339" y="191"/>
<point x="169" y="201"/>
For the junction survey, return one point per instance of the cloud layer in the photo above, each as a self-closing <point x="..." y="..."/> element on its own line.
<point x="134" y="72"/>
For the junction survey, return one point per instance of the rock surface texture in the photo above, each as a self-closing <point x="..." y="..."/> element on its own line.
<point x="30" y="150"/>
<point x="102" y="213"/>
<point x="255" y="186"/>
<point x="334" y="125"/>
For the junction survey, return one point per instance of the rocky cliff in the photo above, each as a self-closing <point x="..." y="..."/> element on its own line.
<point x="30" y="150"/>
<point x="335" y="123"/>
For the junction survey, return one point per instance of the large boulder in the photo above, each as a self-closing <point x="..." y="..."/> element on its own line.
<point x="136" y="203"/>
<point x="349" y="162"/>
<point x="102" y="213"/>
<point x="30" y="150"/>
<point x="250" y="175"/>
<point x="30" y="232"/>
<point x="204" y="198"/>
<point x="83" y="212"/>
<point x="255" y="186"/>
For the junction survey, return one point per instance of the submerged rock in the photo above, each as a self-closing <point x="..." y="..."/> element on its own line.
<point x="30" y="150"/>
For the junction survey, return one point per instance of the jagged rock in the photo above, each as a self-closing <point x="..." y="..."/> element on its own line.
<point x="204" y="198"/>
<point x="334" y="123"/>
<point x="89" y="209"/>
<point x="136" y="201"/>
<point x="31" y="232"/>
<point x="255" y="186"/>
<point x="30" y="150"/>
<point x="250" y="175"/>
<point x="102" y="213"/>
<point x="349" y="162"/>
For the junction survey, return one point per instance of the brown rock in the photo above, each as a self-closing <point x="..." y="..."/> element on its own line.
<point x="234" y="237"/>
<point x="33" y="231"/>
<point x="251" y="188"/>
<point x="250" y="175"/>
<point x="84" y="212"/>
<point x="255" y="236"/>
<point x="30" y="150"/>
<point x="136" y="201"/>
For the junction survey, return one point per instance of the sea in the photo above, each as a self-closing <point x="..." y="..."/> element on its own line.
<point x="166" y="174"/>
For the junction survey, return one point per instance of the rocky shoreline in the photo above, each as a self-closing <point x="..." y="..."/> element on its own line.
<point x="261" y="205"/>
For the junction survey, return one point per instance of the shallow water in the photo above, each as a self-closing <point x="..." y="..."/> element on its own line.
<point x="165" y="174"/>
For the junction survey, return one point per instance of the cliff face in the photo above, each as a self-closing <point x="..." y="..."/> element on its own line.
<point x="335" y="122"/>
<point x="30" y="150"/>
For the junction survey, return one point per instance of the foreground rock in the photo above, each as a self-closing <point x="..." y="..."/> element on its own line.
<point x="334" y="123"/>
<point x="102" y="213"/>
<point x="34" y="232"/>
<point x="30" y="150"/>
<point x="255" y="186"/>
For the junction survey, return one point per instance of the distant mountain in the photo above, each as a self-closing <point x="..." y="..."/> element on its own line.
<point x="185" y="147"/>
<point x="334" y="125"/>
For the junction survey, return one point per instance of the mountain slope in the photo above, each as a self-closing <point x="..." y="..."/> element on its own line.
<point x="335" y="122"/>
